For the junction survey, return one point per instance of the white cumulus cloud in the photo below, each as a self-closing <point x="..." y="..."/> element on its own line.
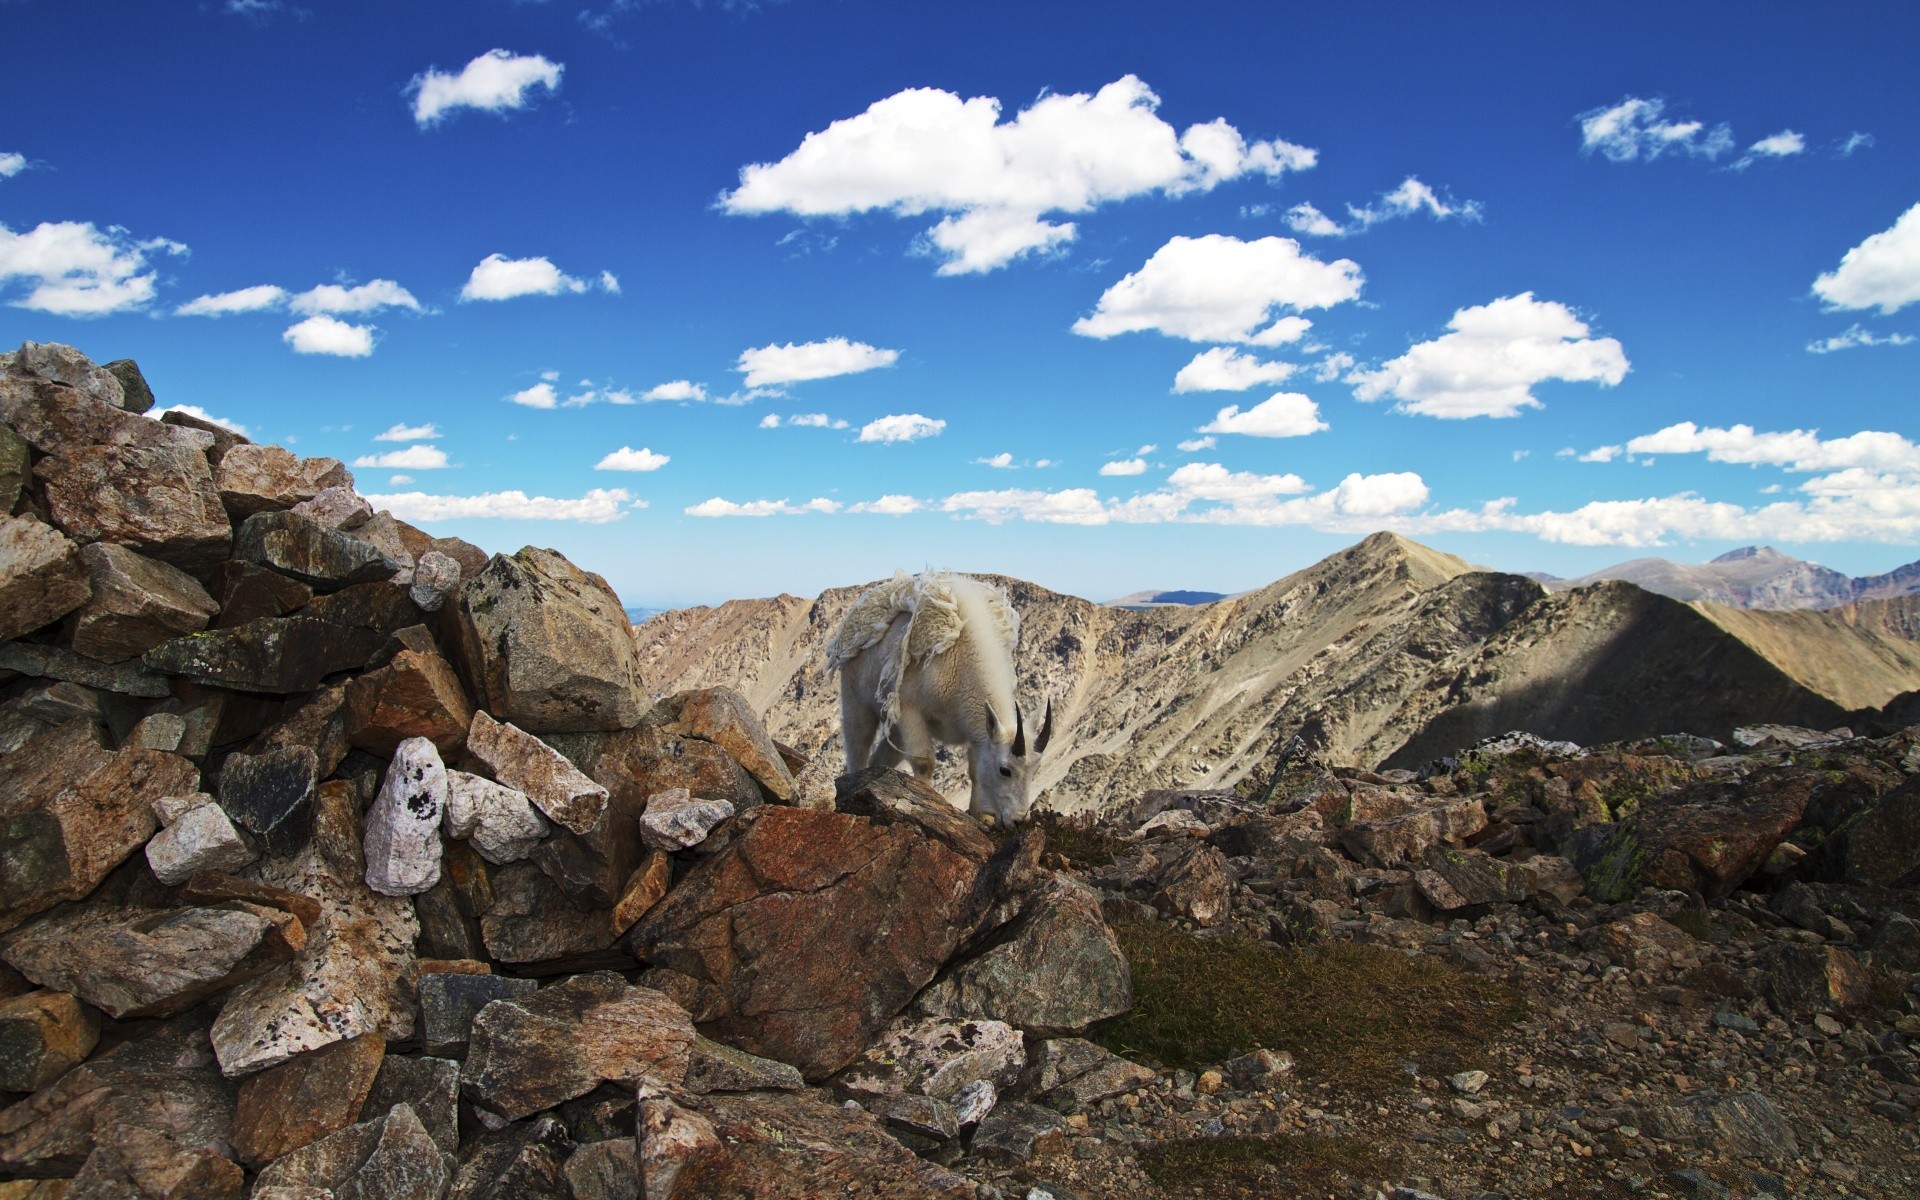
<point x="1195" y="445"/>
<point x="248" y="299"/>
<point x="797" y="362"/>
<point x="1002" y="461"/>
<point x="994" y="183"/>
<point x="901" y="427"/>
<point x="891" y="505"/>
<point x="413" y="458"/>
<point x="12" y="164"/>
<point x="1489" y="363"/>
<point x="1224" y="369"/>
<point x="329" y="335"/>
<point x="72" y="269"/>
<point x="676" y="389"/>
<point x="1218" y="288"/>
<point x="540" y="395"/>
<point x="1881" y="272"/>
<point x="1636" y="128"/>
<point x="598" y="507"/>
<point x="1854" y="336"/>
<point x="1792" y="449"/>
<point x="366" y="298"/>
<point x="1125" y="466"/>
<point x="496" y="81"/>
<point x="409" y="433"/>
<point x="498" y="277"/>
<point x="719" y="507"/>
<point x="1283" y="414"/>
<point x="626" y="458"/>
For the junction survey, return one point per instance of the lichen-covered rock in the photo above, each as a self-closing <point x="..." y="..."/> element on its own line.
<point x="524" y="762"/>
<point x="323" y="559"/>
<point x="304" y="1099"/>
<point x="256" y="479"/>
<point x="56" y="419"/>
<point x="1452" y="878"/>
<point x="158" y="500"/>
<point x="403" y="825"/>
<point x="1708" y="838"/>
<point x="279" y="656"/>
<point x="247" y="592"/>
<point x="137" y="603"/>
<point x="43" y="1035"/>
<point x="42" y="575"/>
<point x="64" y="364"/>
<point x="546" y="646"/>
<point x="1405" y="837"/>
<point x="1195" y="885"/>
<point x="416" y="694"/>
<point x="501" y="821"/>
<point x="16" y="467"/>
<point x="1881" y="846"/>
<point x="937" y="1057"/>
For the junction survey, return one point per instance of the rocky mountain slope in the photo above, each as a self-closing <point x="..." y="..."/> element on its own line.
<point x="1751" y="577"/>
<point x="1386" y="652"/>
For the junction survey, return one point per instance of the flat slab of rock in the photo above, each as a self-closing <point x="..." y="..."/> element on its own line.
<point x="281" y="656"/>
<point x="304" y="1099"/>
<point x="247" y="593"/>
<point x="1397" y="840"/>
<point x="887" y="797"/>
<point x="256" y="479"/>
<point x="813" y="930"/>
<point x="1082" y="1073"/>
<point x="56" y="419"/>
<point x="524" y="762"/>
<point x="43" y="1035"/>
<point x="722" y="716"/>
<point x="158" y="500"/>
<point x="937" y="1057"/>
<point x="42" y="575"/>
<point x="547" y="646"/>
<point x="414" y="695"/>
<point x="676" y="820"/>
<point x="718" y="1067"/>
<point x="323" y="559"/>
<point x="534" y="1052"/>
<point x="137" y="603"/>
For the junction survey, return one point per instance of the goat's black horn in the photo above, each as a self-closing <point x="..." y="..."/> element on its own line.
<point x="1019" y="732"/>
<point x="1046" y="731"/>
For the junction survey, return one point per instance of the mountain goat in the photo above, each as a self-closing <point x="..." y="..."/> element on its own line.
<point x="927" y="660"/>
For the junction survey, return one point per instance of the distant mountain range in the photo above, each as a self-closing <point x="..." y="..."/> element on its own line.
<point x="1388" y="653"/>
<point x="1158" y="599"/>
<point x="1750" y="577"/>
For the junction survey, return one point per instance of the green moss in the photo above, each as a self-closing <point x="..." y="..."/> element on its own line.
<point x="1081" y="839"/>
<point x="1615" y="875"/>
<point x="1347" y="1012"/>
<point x="1210" y="1167"/>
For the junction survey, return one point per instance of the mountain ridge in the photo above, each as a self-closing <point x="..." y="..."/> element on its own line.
<point x="1750" y="577"/>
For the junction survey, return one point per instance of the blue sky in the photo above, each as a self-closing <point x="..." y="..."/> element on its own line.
<point x="725" y="300"/>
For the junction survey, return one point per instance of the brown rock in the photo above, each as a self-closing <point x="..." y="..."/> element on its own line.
<point x="379" y="607"/>
<point x="137" y="1163"/>
<point x="223" y="438"/>
<point x="1396" y="841"/>
<point x="154" y="499"/>
<point x="429" y="1086"/>
<point x="1645" y="941"/>
<point x="317" y="721"/>
<point x="415" y="695"/>
<point x="532" y="921"/>
<point x="644" y="889"/>
<point x="1458" y="878"/>
<point x="42" y="576"/>
<point x="43" y="1035"/>
<point x="323" y="559"/>
<point x="58" y="662"/>
<point x="55" y="419"/>
<point x="608" y="1170"/>
<point x="1195" y="885"/>
<point x="247" y="592"/>
<point x="63" y="364"/>
<point x="255" y="479"/>
<point x="137" y="603"/>
<point x="16" y="468"/>
<point x="391" y="1157"/>
<point x="524" y="1161"/>
<point x="520" y="760"/>
<point x="888" y="796"/>
<point x="1881" y="847"/>
<point x="533" y="1052"/>
<point x="304" y="1099"/>
<point x="336" y="507"/>
<point x="1801" y="981"/>
<point x="547" y="646"/>
<point x="815" y="929"/>
<point x="1707" y="839"/>
<point x="212" y="887"/>
<point x="722" y="716"/>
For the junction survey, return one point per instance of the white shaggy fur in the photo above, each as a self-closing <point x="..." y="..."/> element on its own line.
<point x="926" y="660"/>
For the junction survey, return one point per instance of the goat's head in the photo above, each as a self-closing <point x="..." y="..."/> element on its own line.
<point x="1004" y="765"/>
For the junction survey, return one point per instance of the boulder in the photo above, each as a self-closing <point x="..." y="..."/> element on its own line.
<point x="934" y="1056"/>
<point x="270" y="796"/>
<point x="304" y="1099"/>
<point x="429" y="1086"/>
<point x="57" y="420"/>
<point x="16" y="468"/>
<point x="58" y="662"/>
<point x="1707" y="839"/>
<point x="1881" y="846"/>
<point x="198" y="837"/>
<point x="718" y="1067"/>
<point x="524" y="762"/>
<point x="336" y="507"/>
<point x="532" y="921"/>
<point x="675" y="820"/>
<point x="501" y="821"/>
<point x="158" y="500"/>
<point x="389" y="537"/>
<point x="1800" y="981"/>
<point x="1081" y="1073"/>
<point x="435" y="577"/>
<point x="1398" y="840"/>
<point x="533" y="1052"/>
<point x="723" y="717"/>
<point x="547" y="646"/>
<point x="247" y="592"/>
<point x="256" y="479"/>
<point x="414" y="695"/>
<point x="524" y="1161"/>
<point x="63" y="364"/>
<point x="43" y="1035"/>
<point x="135" y="395"/>
<point x="1452" y="879"/>
<point x="1645" y="941"/>
<point x="42" y="575"/>
<point x="1195" y="885"/>
<point x="135" y="1162"/>
<point x="888" y="796"/>
<point x="813" y="929"/>
<point x="391" y="1157"/>
<point x="280" y="656"/>
<point x="221" y="438"/>
<point x="323" y="559"/>
<point x="450" y="1001"/>
<point x="403" y="825"/>
<point x="1056" y="970"/>
<point x="317" y="720"/>
<point x="1015" y="1131"/>
<point x="607" y="1170"/>
<point x="137" y="603"/>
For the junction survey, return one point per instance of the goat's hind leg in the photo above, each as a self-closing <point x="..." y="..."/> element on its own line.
<point x="860" y="729"/>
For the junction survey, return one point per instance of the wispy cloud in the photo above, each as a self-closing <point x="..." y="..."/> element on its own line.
<point x="598" y="506"/>
<point x="498" y="277"/>
<point x="413" y="458"/>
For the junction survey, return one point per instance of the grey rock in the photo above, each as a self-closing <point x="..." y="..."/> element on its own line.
<point x="336" y="507"/>
<point x="279" y="656"/>
<point x="717" y="1067"/>
<point x="323" y="559"/>
<point x="159" y="731"/>
<point x="524" y="762"/>
<point x="608" y="1170"/>
<point x="158" y="500"/>
<point x="202" y="838"/>
<point x="1078" y="1071"/>
<point x="449" y="1002"/>
<point x="526" y="1160"/>
<point x="501" y="821"/>
<point x="1014" y="1130"/>
<point x="56" y="419"/>
<point x="137" y="603"/>
<point x="42" y="575"/>
<point x="256" y="479"/>
<point x="403" y="825"/>
<point x="57" y="662"/>
<point x="922" y="1115"/>
<point x="271" y="796"/>
<point x="389" y="1158"/>
<point x="435" y="577"/>
<point x="16" y="467"/>
<point x="674" y="820"/>
<point x="532" y="921"/>
<point x="135" y="395"/>
<point x="43" y="1035"/>
<point x="429" y="1086"/>
<point x="935" y="1057"/>
<point x="63" y="364"/>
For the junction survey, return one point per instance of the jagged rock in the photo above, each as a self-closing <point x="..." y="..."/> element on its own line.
<point x="935" y="1056"/>
<point x="403" y="825"/>
<point x="524" y="1161"/>
<point x="147" y="962"/>
<point x="1741" y="1125"/>
<point x="1078" y="1071"/>
<point x="635" y="763"/>
<point x="280" y="656"/>
<point x="134" y="1163"/>
<point x="58" y="662"/>
<point x="349" y="979"/>
<point x="429" y="1086"/>
<point x="317" y="720"/>
<point x="57" y="420"/>
<point x="137" y="603"/>
<point x="1014" y="1131"/>
<point x="381" y="608"/>
<point x="42" y="575"/>
<point x="43" y="1035"/>
<point x="1454" y="878"/>
<point x="1552" y="875"/>
<point x="164" y="1082"/>
<point x="159" y="731"/>
<point x="1196" y="886"/>
<point x="644" y="888"/>
<point x="1800" y="981"/>
<point x="16" y="467"/>
<point x="1398" y="840"/>
<point x="256" y="479"/>
<point x="1647" y="941"/>
<point x="449" y="1002"/>
<point x="63" y="364"/>
<point x="388" y="1158"/>
<point x="389" y="537"/>
<point x="155" y="499"/>
<point x="200" y="837"/>
<point x="888" y="796"/>
<point x="779" y="1146"/>
<point x="247" y="592"/>
<point x="722" y="716"/>
<point x="547" y="646"/>
<point x="414" y="695"/>
<point x="1262" y="1070"/>
<point x="1707" y="839"/>
<point x="1896" y="945"/>
<point x="674" y="820"/>
<point x="271" y="796"/>
<point x="920" y="1115"/>
<point x="304" y="1099"/>
<point x="815" y="929"/>
<point x="1056" y="970"/>
<point x="60" y="834"/>
<point x="532" y="921"/>
<point x="608" y="1170"/>
<point x="524" y="762"/>
<point x="718" y="1067"/>
<point x="323" y="559"/>
<point x="219" y="438"/>
<point x="135" y="395"/>
<point x="1881" y="846"/>
<point x="212" y="887"/>
<point x="533" y="1052"/>
<point x="435" y="577"/>
<point x="336" y="507"/>
<point x="501" y="821"/>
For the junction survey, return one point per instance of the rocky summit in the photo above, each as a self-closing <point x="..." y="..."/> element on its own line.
<point x="339" y="860"/>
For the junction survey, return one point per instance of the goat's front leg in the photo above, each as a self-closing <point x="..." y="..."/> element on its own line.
<point x="917" y="746"/>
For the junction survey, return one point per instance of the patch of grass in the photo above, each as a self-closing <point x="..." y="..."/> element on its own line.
<point x="1699" y="923"/>
<point x="1080" y="838"/>
<point x="1212" y="1167"/>
<point x="1349" y="1013"/>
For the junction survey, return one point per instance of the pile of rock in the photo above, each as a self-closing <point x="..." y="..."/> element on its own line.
<point x="336" y="858"/>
